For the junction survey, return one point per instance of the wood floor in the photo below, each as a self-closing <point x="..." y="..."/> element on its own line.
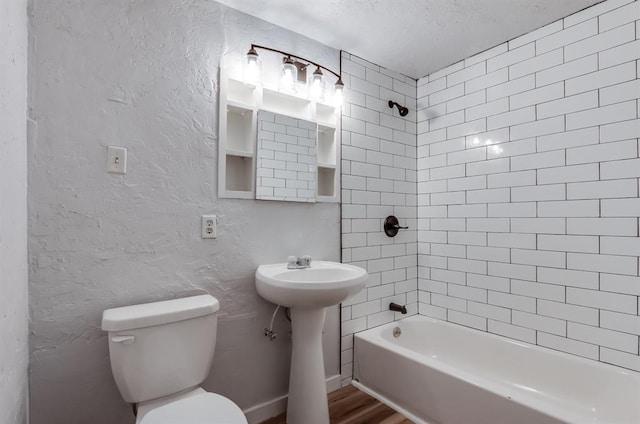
<point x="352" y="406"/>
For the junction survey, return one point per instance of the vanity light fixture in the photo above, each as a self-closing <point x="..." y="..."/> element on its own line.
<point x="293" y="70"/>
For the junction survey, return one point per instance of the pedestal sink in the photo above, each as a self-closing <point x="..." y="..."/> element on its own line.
<point x="308" y="292"/>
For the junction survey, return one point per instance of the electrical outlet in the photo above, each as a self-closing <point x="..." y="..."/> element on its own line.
<point x="208" y="226"/>
<point x="116" y="160"/>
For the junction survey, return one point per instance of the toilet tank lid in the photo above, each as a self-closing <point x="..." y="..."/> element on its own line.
<point x="158" y="313"/>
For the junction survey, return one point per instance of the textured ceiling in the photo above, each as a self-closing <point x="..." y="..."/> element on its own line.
<point x="414" y="37"/>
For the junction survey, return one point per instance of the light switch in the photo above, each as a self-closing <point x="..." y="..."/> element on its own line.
<point x="116" y="160"/>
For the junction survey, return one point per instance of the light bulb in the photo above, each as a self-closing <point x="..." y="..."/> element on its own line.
<point x="338" y="95"/>
<point x="252" y="67"/>
<point x="316" y="89"/>
<point x="289" y="75"/>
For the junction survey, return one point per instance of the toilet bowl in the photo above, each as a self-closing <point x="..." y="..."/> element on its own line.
<point x="160" y="353"/>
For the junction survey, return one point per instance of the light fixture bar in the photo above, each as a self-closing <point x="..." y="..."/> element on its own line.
<point x="256" y="46"/>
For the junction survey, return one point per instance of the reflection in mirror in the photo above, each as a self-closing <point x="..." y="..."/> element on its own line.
<point x="286" y="158"/>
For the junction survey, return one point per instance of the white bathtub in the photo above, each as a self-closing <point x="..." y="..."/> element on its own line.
<point x="437" y="372"/>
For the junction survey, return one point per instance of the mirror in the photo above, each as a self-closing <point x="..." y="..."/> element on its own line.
<point x="286" y="158"/>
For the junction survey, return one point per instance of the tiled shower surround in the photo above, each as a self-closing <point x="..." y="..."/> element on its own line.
<point x="528" y="175"/>
<point x="378" y="179"/>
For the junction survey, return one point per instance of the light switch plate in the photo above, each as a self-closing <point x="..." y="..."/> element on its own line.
<point x="116" y="160"/>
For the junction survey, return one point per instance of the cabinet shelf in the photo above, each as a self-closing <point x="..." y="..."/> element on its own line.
<point x="239" y="153"/>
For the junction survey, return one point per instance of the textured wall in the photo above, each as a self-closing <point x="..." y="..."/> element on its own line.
<point x="378" y="179"/>
<point x="14" y="352"/>
<point x="528" y="187"/>
<point x="143" y="74"/>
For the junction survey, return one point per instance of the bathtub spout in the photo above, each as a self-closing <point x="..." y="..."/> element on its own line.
<point x="398" y="308"/>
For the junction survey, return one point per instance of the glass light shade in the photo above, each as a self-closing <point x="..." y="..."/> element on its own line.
<point x="251" y="69"/>
<point x="316" y="85"/>
<point x="289" y="75"/>
<point x="338" y="94"/>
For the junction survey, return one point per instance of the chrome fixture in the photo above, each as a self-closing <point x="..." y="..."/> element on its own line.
<point x="295" y="262"/>
<point x="403" y="111"/>
<point x="294" y="71"/>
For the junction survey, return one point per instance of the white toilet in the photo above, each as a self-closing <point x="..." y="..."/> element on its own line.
<point x="160" y="354"/>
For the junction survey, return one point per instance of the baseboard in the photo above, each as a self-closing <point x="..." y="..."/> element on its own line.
<point x="258" y="413"/>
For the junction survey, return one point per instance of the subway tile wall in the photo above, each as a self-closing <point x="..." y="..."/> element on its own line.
<point x="528" y="177"/>
<point x="379" y="178"/>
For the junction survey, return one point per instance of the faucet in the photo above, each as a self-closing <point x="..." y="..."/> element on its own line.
<point x="398" y="308"/>
<point x="295" y="262"/>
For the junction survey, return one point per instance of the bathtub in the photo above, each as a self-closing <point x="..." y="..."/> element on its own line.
<point x="437" y="372"/>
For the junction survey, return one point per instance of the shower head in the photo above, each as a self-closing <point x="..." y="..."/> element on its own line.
<point x="403" y="111"/>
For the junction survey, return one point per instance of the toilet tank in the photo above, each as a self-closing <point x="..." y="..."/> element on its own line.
<point x="161" y="348"/>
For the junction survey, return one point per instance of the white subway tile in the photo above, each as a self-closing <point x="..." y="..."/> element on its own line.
<point x="629" y="168"/>
<point x="497" y="254"/>
<point x="446" y="120"/>
<point x="566" y="71"/>
<point x="621" y="359"/>
<point x="620" y="131"/>
<point x="466" y="74"/>
<point x="433" y="311"/>
<point x="454" y="198"/>
<point x="521" y="272"/>
<point x="471" y="127"/>
<point x="538" y="193"/>
<point x="604" y="78"/>
<point x="469" y="293"/>
<point x="620" y="207"/>
<point x="489" y="311"/>
<point x="620" y="284"/>
<point x="625" y="323"/>
<point x="538" y="257"/>
<point x="491" y="166"/>
<point x="489" y="282"/>
<point x="582" y="137"/>
<point x="538" y="128"/>
<point x="567" y="36"/>
<point x="512" y="148"/>
<point x="483" y="56"/>
<point x="600" y="42"/>
<point x="446" y="146"/>
<point x="603" y="189"/>
<point x="603" y="337"/>
<point x="512" y="331"/>
<point x="535" y="64"/>
<point x="600" y="116"/>
<point x="489" y="80"/>
<point x="538" y="225"/>
<point x="621" y="54"/>
<point x="509" y="210"/>
<point x="448" y="276"/>
<point x="431" y="87"/>
<point x="569" y="104"/>
<point x="523" y="241"/>
<point x="537" y="95"/>
<point x="537" y="290"/>
<point x="625" y="265"/>
<point x="446" y="94"/>
<point x="567" y="277"/>
<point x="579" y="244"/>
<point x="510" y="57"/>
<point x="593" y="11"/>
<point x="493" y="195"/>
<point x="512" y="301"/>
<point x="467" y="211"/>
<point x="536" y="34"/>
<point x="538" y="160"/>
<point x="539" y="322"/>
<point x="568" y="345"/>
<point x="467" y="265"/>
<point x="488" y="224"/>
<point x="511" y="87"/>
<point x="620" y="16"/>
<point x="470" y="155"/>
<point x="467" y="320"/>
<point x="487" y="109"/>
<point x="511" y="179"/>
<point x="620" y="92"/>
<point x="511" y="118"/>
<point x="603" y="226"/>
<point x="447" y="172"/>
<point x="448" y="302"/>
<point x="568" y="312"/>
<point x="569" y="208"/>
<point x="566" y="174"/>
<point x="629" y="246"/>
<point x="433" y="286"/>
<point x="448" y="224"/>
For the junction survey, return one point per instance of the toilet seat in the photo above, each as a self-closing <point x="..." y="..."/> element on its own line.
<point x="202" y="408"/>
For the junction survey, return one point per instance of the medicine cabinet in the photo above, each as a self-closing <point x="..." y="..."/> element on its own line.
<point x="238" y="158"/>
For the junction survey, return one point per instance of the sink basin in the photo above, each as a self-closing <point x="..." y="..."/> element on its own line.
<point x="323" y="284"/>
<point x="308" y="292"/>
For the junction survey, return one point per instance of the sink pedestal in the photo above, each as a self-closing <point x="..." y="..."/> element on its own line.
<point x="307" y="387"/>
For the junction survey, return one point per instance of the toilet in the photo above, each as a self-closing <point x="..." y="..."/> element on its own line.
<point x="160" y="354"/>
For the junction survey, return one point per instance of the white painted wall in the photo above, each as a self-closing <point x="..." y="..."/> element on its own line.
<point x="14" y="352"/>
<point x="528" y="170"/>
<point x="143" y="75"/>
<point x="378" y="179"/>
